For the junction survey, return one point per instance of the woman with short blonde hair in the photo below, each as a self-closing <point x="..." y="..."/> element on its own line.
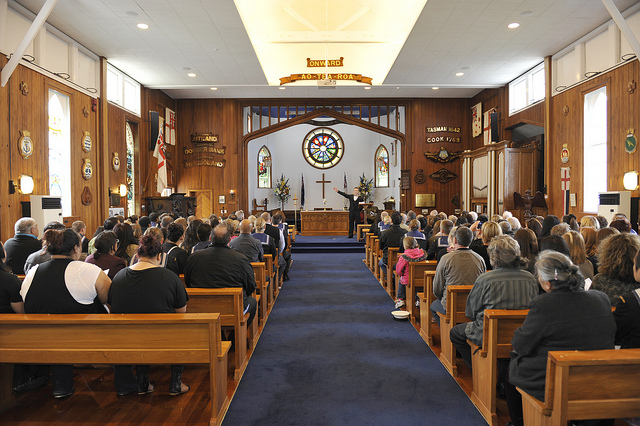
<point x="589" y="222"/>
<point x="579" y="253"/>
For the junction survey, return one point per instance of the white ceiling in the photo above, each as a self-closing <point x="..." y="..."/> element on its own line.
<point x="207" y="37"/>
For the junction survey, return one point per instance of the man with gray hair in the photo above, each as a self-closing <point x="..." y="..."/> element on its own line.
<point x="507" y="286"/>
<point x="460" y="267"/>
<point x="246" y="244"/>
<point x="24" y="242"/>
<point x="218" y="266"/>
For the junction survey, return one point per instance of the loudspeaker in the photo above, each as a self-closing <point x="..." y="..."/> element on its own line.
<point x="154" y="118"/>
<point x="494" y="127"/>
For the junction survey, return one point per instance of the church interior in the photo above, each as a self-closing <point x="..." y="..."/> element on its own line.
<point x="446" y="105"/>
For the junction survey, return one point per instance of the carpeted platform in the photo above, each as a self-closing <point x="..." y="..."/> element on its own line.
<point x="305" y="244"/>
<point x="331" y="354"/>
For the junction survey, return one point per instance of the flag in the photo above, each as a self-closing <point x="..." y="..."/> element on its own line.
<point x="565" y="178"/>
<point x="170" y="124"/>
<point x="162" y="163"/>
<point x="302" y="192"/>
<point x="476" y="120"/>
<point x="345" y="188"/>
<point x="487" y="127"/>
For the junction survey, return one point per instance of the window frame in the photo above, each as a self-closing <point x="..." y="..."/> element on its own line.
<point x="123" y="101"/>
<point x="589" y="90"/>
<point x="375" y="166"/>
<point x="527" y="78"/>
<point x="270" y="168"/>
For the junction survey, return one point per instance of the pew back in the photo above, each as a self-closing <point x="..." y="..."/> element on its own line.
<point x="416" y="284"/>
<point x="426" y="330"/>
<point x="456" y="305"/>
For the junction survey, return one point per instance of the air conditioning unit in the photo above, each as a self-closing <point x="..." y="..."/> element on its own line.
<point x="45" y="209"/>
<point x="614" y="202"/>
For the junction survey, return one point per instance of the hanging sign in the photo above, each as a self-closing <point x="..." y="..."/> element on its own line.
<point x="25" y="145"/>
<point x="318" y="63"/>
<point x="321" y="76"/>
<point x="631" y="143"/>
<point x="204" y="137"/>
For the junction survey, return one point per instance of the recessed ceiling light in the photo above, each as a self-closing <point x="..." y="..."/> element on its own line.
<point x="459" y="74"/>
<point x="213" y="88"/>
<point x="143" y="26"/>
<point x="367" y="87"/>
<point x="130" y="13"/>
<point x="465" y="68"/>
<point x="186" y="68"/>
<point x="526" y="13"/>
<point x="513" y="25"/>
<point x="192" y="74"/>
<point x="435" y="88"/>
<point x="282" y="88"/>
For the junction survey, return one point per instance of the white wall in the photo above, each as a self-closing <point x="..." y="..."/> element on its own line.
<point x="360" y="146"/>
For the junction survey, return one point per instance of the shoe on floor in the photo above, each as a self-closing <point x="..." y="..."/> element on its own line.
<point x="58" y="394"/>
<point x="399" y="303"/>
<point x="32" y="383"/>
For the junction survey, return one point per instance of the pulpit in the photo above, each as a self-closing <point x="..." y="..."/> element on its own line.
<point x="176" y="205"/>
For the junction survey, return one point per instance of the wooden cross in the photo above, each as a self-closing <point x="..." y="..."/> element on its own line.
<point x="323" y="182"/>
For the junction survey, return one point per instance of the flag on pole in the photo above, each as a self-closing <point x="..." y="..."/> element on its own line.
<point x="345" y="188"/>
<point x="487" y="127"/>
<point x="565" y="178"/>
<point x="302" y="192"/>
<point x="170" y="124"/>
<point x="162" y="163"/>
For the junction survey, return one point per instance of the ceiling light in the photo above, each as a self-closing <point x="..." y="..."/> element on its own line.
<point x="435" y="88"/>
<point x="213" y="88"/>
<point x="143" y="26"/>
<point x="459" y="74"/>
<point x="367" y="87"/>
<point x="192" y="74"/>
<point x="513" y="25"/>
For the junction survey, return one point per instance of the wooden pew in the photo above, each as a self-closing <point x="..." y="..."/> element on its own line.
<point x="367" y="249"/>
<point x="499" y="326"/>
<point x="392" y="258"/>
<point x="118" y="339"/>
<point x="262" y="288"/>
<point x="361" y="228"/>
<point x="416" y="284"/>
<point x="292" y="232"/>
<point x="375" y="256"/>
<point x="583" y="385"/>
<point x="268" y="260"/>
<point x="426" y="299"/>
<point x="229" y="304"/>
<point x="456" y="305"/>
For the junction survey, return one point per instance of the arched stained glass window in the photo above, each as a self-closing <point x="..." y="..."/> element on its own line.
<point x="382" y="167"/>
<point x="264" y="167"/>
<point x="131" y="199"/>
<point x="60" y="150"/>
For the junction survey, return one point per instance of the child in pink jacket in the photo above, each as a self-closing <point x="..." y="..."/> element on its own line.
<point x="412" y="253"/>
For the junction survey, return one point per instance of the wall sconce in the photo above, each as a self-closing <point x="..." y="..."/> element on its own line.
<point x="25" y="185"/>
<point x="120" y="190"/>
<point x="630" y="181"/>
<point x="232" y="195"/>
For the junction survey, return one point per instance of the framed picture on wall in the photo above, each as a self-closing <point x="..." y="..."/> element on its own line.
<point x="221" y="199"/>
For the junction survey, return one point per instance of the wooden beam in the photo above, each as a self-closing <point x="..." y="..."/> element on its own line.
<point x="624" y="27"/>
<point x="547" y="124"/>
<point x="33" y="30"/>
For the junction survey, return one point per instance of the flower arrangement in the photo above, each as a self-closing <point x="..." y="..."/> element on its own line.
<point x="365" y="187"/>
<point x="283" y="190"/>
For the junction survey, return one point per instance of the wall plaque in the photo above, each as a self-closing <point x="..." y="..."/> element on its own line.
<point x="443" y="175"/>
<point x="443" y="129"/>
<point x="115" y="162"/>
<point x="87" y="169"/>
<point x="443" y="156"/>
<point x="25" y="145"/>
<point x="425" y="200"/>
<point x="204" y="137"/>
<point x="631" y="143"/>
<point x="420" y="178"/>
<point x="86" y="141"/>
<point x="316" y="63"/>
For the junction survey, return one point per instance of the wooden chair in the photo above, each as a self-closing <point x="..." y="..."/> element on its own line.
<point x="498" y="329"/>
<point x="117" y="339"/>
<point x="416" y="284"/>
<point x="426" y="299"/>
<point x="262" y="288"/>
<point x="229" y="304"/>
<point x="456" y="305"/>
<point x="583" y="385"/>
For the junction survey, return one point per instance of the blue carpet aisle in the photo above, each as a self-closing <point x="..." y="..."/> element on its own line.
<point x="331" y="354"/>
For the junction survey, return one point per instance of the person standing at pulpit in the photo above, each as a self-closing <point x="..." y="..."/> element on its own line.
<point x="354" y="207"/>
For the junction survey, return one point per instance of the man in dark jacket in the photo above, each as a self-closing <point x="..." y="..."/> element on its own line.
<point x="354" y="207"/>
<point x="392" y="237"/>
<point x="24" y="242"/>
<point x="219" y="266"/>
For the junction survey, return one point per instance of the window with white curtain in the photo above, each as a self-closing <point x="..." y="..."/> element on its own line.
<point x="122" y="90"/>
<point x="60" y="149"/>
<point x="527" y="89"/>
<point x="595" y="148"/>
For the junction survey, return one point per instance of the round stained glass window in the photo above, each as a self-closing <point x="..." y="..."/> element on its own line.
<point x="322" y="148"/>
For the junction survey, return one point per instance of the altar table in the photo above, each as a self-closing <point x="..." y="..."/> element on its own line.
<point x="324" y="222"/>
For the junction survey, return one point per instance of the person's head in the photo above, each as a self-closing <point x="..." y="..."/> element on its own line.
<point x="105" y="243"/>
<point x="423" y="223"/>
<point x="436" y="227"/>
<point x="636" y="267"/>
<point x="547" y="224"/>
<point x="446" y="226"/>
<point x="99" y="229"/>
<point x="527" y="241"/>
<point x="54" y="225"/>
<point x="110" y="223"/>
<point x="182" y="222"/>
<point x="589" y="235"/>
<point x="567" y="218"/>
<point x="404" y="217"/>
<point x="384" y="214"/>
<point x="621" y="225"/>
<point x="616" y="255"/>
<point x="150" y="247"/>
<point x="156" y="233"/>
<point x="220" y="235"/>
<point x="474" y="216"/>
<point x="387" y="220"/>
<point x="204" y="232"/>
<point x="260" y="224"/>
<point x="462" y="220"/>
<point x="133" y="219"/>
<point x="277" y="218"/>
<point x="409" y="243"/>
<point x="489" y="231"/>
<point x="589" y="222"/>
<point x="602" y="221"/>
<point x="245" y="227"/>
<point x="504" y="252"/>
<point x="165" y="221"/>
<point x="414" y="225"/>
<point x="79" y="227"/>
<point x="603" y="234"/>
<point x="556" y="271"/>
<point x="144" y="223"/>
<point x="174" y="232"/>
<point x="496" y="218"/>
<point x="560" y="229"/>
<point x="506" y="227"/>
<point x="63" y="242"/>
<point x="535" y="226"/>
<point x="577" y="250"/>
<point x="506" y="215"/>
<point x="137" y="231"/>
<point x="515" y="224"/>
<point x="411" y="215"/>
<point x="483" y="218"/>
<point x="396" y="218"/>
<point x="555" y="243"/>
<point x="153" y="217"/>
<point x="266" y="216"/>
<point x="463" y="236"/>
<point x="26" y="225"/>
<point x="452" y="218"/>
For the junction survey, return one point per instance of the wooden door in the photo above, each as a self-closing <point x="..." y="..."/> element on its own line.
<point x="204" y="202"/>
